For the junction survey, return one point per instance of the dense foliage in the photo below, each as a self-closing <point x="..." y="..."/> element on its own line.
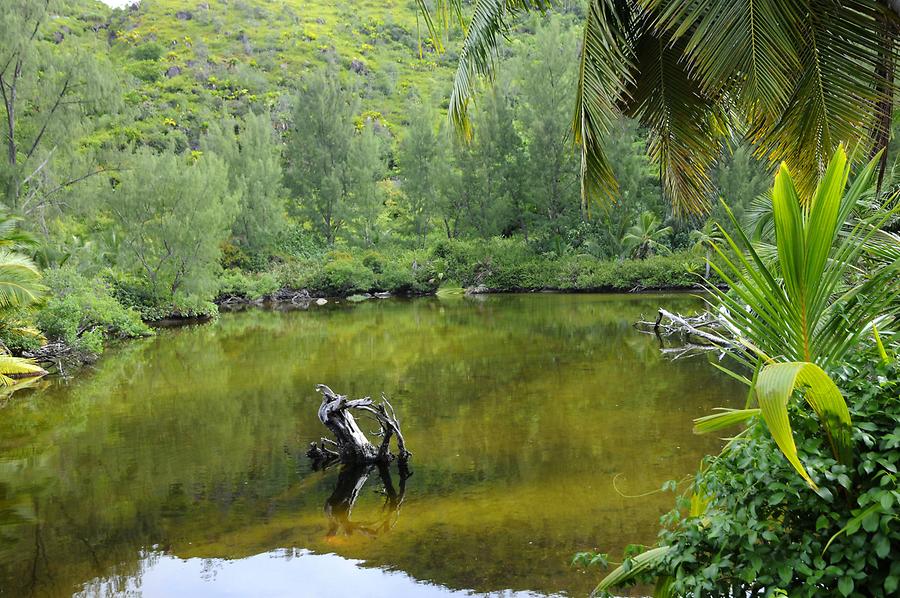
<point x="763" y="530"/>
<point x="802" y="501"/>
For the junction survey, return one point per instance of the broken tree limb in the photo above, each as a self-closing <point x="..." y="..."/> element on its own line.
<point x="350" y="443"/>
<point x="699" y="330"/>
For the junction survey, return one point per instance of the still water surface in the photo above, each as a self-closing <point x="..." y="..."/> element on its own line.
<point x="176" y="467"/>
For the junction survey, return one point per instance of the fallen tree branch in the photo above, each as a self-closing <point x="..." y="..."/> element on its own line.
<point x="699" y="330"/>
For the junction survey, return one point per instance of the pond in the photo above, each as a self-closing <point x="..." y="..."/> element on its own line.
<point x="176" y="466"/>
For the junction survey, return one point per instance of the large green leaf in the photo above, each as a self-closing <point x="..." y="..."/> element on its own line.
<point x="725" y="418"/>
<point x="632" y="567"/>
<point x="776" y="384"/>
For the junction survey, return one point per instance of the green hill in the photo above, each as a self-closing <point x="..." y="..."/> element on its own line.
<point x="185" y="63"/>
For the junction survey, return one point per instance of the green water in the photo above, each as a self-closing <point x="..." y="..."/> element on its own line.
<point x="176" y="467"/>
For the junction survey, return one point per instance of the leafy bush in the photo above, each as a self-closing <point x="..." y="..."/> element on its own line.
<point x="83" y="312"/>
<point x="251" y="286"/>
<point x="344" y="276"/>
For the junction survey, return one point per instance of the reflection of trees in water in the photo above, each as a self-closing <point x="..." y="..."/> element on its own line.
<point x="350" y="482"/>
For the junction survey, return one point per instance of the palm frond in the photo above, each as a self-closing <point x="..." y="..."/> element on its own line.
<point x="14" y="369"/>
<point x="19" y="280"/>
<point x="835" y="97"/>
<point x="604" y="72"/>
<point x="774" y="387"/>
<point x="685" y="126"/>
<point x="745" y="48"/>
<point x="477" y="57"/>
<point x="725" y="418"/>
<point x="635" y="566"/>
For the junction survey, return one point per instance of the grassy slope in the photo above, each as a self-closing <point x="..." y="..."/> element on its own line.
<point x="247" y="54"/>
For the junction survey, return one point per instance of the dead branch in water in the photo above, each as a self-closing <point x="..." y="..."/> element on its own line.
<point x="700" y="333"/>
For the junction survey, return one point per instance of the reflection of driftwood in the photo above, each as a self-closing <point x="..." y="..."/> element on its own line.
<point x="351" y="480"/>
<point x="700" y="333"/>
<point x="350" y="444"/>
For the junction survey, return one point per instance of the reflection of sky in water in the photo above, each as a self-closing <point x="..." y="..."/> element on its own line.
<point x="277" y="573"/>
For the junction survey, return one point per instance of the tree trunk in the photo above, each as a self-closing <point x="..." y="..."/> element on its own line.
<point x="350" y="442"/>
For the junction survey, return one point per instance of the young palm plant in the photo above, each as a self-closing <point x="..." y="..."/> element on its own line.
<point x="801" y="312"/>
<point x="704" y="239"/>
<point x="646" y="237"/>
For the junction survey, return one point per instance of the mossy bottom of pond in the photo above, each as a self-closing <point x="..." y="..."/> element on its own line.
<point x="177" y="467"/>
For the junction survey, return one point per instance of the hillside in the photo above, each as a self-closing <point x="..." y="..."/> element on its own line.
<point x="183" y="63"/>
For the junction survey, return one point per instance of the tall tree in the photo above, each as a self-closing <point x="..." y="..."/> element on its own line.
<point x="173" y="213"/>
<point x="491" y="165"/>
<point x="546" y="74"/>
<point x="797" y="78"/>
<point x="252" y="152"/>
<point x="366" y="171"/>
<point x="422" y="159"/>
<point x="44" y="96"/>
<point x="318" y="172"/>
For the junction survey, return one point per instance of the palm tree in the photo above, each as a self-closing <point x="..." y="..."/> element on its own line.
<point x="646" y="237"/>
<point x="705" y="238"/>
<point x="797" y="78"/>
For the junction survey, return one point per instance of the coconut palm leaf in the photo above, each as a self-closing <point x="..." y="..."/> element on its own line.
<point x="753" y="37"/>
<point x="802" y="308"/>
<point x="479" y="49"/>
<point x="685" y="126"/>
<point x="725" y="418"/>
<point x="797" y="78"/>
<point x="604" y="72"/>
<point x="775" y="386"/>
<point x="634" y="566"/>
<point x="19" y="280"/>
<point x="15" y="369"/>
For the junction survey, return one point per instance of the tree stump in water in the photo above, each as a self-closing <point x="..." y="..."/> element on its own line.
<point x="350" y="444"/>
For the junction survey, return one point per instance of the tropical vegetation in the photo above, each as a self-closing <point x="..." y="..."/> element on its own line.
<point x="804" y="319"/>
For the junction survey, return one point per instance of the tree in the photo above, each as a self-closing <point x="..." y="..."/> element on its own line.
<point x="491" y="166"/>
<point x="705" y="238"/>
<point x="797" y="79"/>
<point x="366" y="171"/>
<point x="318" y="172"/>
<point x="44" y="96"/>
<point x="546" y="80"/>
<point x="646" y="237"/>
<point x="252" y="153"/>
<point x="173" y="213"/>
<point x="422" y="159"/>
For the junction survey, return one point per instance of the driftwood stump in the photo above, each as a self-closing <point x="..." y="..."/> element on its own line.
<point x="350" y="444"/>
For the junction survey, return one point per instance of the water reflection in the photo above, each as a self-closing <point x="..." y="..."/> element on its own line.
<point x="189" y="447"/>
<point x="350" y="482"/>
<point x="287" y="573"/>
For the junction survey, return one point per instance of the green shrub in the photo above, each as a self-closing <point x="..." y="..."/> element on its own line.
<point x="251" y="286"/>
<point x="147" y="51"/>
<point x="344" y="276"/>
<point x="83" y="312"/>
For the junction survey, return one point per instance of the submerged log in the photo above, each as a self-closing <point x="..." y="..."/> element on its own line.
<point x="350" y="444"/>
